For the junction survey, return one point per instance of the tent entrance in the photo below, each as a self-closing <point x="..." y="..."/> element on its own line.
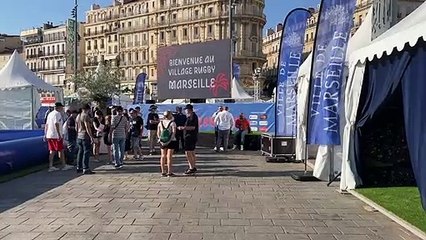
<point x="384" y="155"/>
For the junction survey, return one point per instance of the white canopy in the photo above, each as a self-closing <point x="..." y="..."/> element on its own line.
<point x="16" y="74"/>
<point x="19" y="94"/>
<point x="238" y="92"/>
<point x="408" y="30"/>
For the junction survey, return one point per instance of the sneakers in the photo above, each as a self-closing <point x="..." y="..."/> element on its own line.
<point x="67" y="167"/>
<point x="52" y="169"/>
<point x="215" y="149"/>
<point x="88" y="172"/>
<point x="171" y="175"/>
<point x="242" y="148"/>
<point x="234" y="147"/>
<point x="118" y="166"/>
<point x="191" y="171"/>
<point x="79" y="170"/>
<point x="164" y="174"/>
<point x="222" y="149"/>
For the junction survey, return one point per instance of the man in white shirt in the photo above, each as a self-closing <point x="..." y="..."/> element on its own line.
<point x="224" y="122"/>
<point x="216" y="131"/>
<point x="54" y="136"/>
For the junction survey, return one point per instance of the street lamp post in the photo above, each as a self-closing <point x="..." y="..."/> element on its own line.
<point x="75" y="38"/>
<point x="256" y="75"/>
<point x="232" y="4"/>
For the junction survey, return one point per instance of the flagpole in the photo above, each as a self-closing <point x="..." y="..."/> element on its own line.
<point x="311" y="86"/>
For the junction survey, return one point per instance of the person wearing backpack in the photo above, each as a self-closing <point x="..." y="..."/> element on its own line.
<point x="167" y="137"/>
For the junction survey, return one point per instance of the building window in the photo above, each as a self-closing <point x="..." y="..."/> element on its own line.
<point x="102" y="44"/>
<point x="152" y="39"/>
<point x="210" y="12"/>
<point x="109" y="38"/>
<point x="210" y="31"/>
<point x="185" y="32"/>
<point x="129" y="57"/>
<point x="129" y="24"/>
<point x="161" y="36"/>
<point x="136" y="56"/>
<point x="162" y="20"/>
<point x="196" y="32"/>
<point x="115" y="49"/>
<point x="254" y="30"/>
<point x="196" y="13"/>
<point x="96" y="45"/>
<point x="109" y="50"/>
<point x="174" y="16"/>
<point x="115" y="38"/>
<point x="152" y="72"/>
<point x="89" y="47"/>
<point x="174" y="35"/>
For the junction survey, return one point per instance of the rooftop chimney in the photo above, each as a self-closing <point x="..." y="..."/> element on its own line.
<point x="279" y="27"/>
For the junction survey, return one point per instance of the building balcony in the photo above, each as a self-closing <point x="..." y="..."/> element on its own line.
<point x="90" y="64"/>
<point x="53" y="54"/>
<point x="52" y="69"/>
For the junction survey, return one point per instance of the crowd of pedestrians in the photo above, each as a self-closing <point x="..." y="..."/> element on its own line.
<point x="77" y="135"/>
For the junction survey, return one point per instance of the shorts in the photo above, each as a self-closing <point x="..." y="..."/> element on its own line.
<point x="172" y="145"/>
<point x="55" y="145"/>
<point x="190" y="144"/>
<point x="136" y="142"/>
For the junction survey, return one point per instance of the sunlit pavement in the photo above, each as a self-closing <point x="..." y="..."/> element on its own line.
<point x="234" y="196"/>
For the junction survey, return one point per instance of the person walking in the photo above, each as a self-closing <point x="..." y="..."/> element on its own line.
<point x="191" y="136"/>
<point x="107" y="137"/>
<point x="98" y="131"/>
<point x="71" y="137"/>
<point x="53" y="134"/>
<point x="216" y="130"/>
<point x="243" y="126"/>
<point x="119" y="131"/>
<point x="84" y="140"/>
<point x="224" y="121"/>
<point x="152" y="126"/>
<point x="136" y="131"/>
<point x="180" y="120"/>
<point x="167" y="138"/>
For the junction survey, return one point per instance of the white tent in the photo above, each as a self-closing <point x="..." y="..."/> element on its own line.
<point x="174" y="101"/>
<point x="19" y="94"/>
<point x="238" y="92"/>
<point x="408" y="30"/>
<point x="360" y="39"/>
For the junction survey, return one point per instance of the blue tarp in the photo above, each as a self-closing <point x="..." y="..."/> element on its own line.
<point x="384" y="76"/>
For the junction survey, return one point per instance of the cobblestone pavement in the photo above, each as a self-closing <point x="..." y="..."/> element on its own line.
<point x="233" y="197"/>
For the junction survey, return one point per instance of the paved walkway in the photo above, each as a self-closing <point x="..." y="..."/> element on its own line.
<point x="234" y="197"/>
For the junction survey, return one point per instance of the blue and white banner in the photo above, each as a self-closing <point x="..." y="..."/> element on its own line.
<point x="139" y="88"/>
<point x="333" y="32"/>
<point x="236" y="71"/>
<point x="290" y="58"/>
<point x="260" y="115"/>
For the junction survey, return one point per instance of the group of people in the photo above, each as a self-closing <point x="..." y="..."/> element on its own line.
<point x="224" y="123"/>
<point x="121" y="132"/>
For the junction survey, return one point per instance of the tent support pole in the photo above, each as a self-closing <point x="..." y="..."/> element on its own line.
<point x="32" y="108"/>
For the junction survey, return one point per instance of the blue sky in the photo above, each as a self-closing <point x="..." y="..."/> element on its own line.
<point x="16" y="15"/>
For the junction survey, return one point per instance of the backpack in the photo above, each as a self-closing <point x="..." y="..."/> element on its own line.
<point x="166" y="134"/>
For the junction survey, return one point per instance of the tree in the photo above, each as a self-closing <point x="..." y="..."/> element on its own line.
<point x="99" y="85"/>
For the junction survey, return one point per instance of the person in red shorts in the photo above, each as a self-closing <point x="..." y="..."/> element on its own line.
<point x="54" y="136"/>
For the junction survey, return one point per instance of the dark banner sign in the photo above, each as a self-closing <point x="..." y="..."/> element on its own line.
<point x="198" y="71"/>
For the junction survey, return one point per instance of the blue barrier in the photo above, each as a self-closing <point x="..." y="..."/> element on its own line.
<point x="7" y="135"/>
<point x="21" y="149"/>
<point x="260" y="115"/>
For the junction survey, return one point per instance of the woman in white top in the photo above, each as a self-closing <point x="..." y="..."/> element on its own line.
<point x="167" y="136"/>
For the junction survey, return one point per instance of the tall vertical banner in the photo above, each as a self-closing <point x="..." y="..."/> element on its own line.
<point x="236" y="72"/>
<point x="139" y="88"/>
<point x="290" y="58"/>
<point x="333" y="33"/>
